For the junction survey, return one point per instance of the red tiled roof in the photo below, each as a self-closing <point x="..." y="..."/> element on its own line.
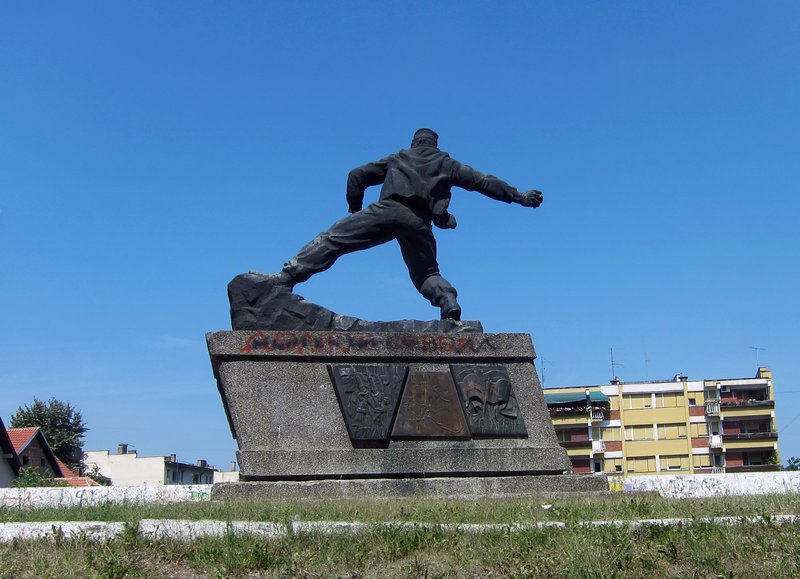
<point x="66" y="472"/>
<point x="79" y="481"/>
<point x="20" y="437"/>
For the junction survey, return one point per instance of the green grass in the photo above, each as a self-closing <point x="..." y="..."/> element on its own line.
<point x="697" y="550"/>
<point x="615" y="506"/>
<point x="693" y="551"/>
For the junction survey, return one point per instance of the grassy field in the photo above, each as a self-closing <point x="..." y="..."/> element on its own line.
<point x="697" y="550"/>
<point x="614" y="506"/>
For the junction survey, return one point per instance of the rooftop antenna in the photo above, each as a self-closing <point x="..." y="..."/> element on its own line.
<point x="646" y="369"/>
<point x="543" y="359"/>
<point x="756" y="348"/>
<point x="614" y="366"/>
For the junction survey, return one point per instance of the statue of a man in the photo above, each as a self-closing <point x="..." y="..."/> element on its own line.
<point x="415" y="194"/>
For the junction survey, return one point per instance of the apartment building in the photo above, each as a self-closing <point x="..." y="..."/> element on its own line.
<point x="677" y="426"/>
<point x="127" y="468"/>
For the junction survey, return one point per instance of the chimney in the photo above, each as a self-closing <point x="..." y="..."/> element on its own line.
<point x="122" y="448"/>
<point x="233" y="466"/>
<point x="202" y="463"/>
<point x="172" y="458"/>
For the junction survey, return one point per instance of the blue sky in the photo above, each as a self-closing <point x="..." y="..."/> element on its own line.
<point x="151" y="151"/>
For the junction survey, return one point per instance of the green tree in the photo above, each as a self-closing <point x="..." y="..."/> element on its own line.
<point x="94" y="474"/>
<point x="61" y="423"/>
<point x="792" y="464"/>
<point x="30" y="476"/>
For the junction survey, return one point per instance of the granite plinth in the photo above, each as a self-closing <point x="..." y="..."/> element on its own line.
<point x="471" y="488"/>
<point x="283" y="410"/>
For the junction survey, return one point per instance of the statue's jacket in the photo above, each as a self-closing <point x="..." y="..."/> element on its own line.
<point x="421" y="177"/>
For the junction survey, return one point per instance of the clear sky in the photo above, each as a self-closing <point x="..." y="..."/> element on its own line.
<point x="150" y="151"/>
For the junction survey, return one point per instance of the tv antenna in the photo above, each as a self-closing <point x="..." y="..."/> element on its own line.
<point x="615" y="365"/>
<point x="757" y="349"/>
<point x="543" y="359"/>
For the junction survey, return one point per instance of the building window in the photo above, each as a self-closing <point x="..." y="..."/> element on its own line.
<point x="755" y="458"/>
<point x="636" y="401"/>
<point x="26" y="460"/>
<point x="563" y="435"/>
<point x="701" y="460"/>
<point x="676" y="462"/>
<point x="671" y="431"/>
<point x="610" y="434"/>
<point x="692" y="401"/>
<point x="669" y="399"/>
<point x="642" y="464"/>
<point x="639" y="432"/>
<point x="754" y="427"/>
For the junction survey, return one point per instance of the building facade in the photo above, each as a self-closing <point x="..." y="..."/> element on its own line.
<point x="127" y="468"/>
<point x="9" y="461"/>
<point x="34" y="451"/>
<point x="677" y="426"/>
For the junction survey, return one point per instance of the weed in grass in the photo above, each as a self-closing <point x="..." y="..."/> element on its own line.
<point x="417" y="569"/>
<point x="111" y="562"/>
<point x="399" y="543"/>
<point x="231" y="555"/>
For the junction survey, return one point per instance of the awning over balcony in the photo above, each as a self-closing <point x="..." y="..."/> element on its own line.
<point x="556" y="399"/>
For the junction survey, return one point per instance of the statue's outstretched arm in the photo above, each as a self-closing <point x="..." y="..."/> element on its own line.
<point x="468" y="178"/>
<point x="362" y="177"/>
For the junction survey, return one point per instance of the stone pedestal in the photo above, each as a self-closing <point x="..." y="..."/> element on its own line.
<point x="347" y="405"/>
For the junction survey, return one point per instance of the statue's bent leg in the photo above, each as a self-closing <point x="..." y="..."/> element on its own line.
<point x="419" y="252"/>
<point x="362" y="230"/>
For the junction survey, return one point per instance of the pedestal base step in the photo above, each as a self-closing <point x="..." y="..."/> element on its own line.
<point x="470" y="488"/>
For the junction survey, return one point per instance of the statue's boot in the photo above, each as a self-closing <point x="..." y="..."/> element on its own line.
<point x="450" y="308"/>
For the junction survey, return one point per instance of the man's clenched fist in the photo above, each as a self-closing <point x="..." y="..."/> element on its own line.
<point x="532" y="198"/>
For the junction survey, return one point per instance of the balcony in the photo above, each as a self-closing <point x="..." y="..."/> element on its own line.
<point x="753" y="468"/>
<point x="598" y="446"/>
<point x="751" y="436"/>
<point x="715" y="441"/>
<point x="559" y="411"/>
<point x="712" y="408"/>
<point x="717" y="470"/>
<point x="574" y="443"/>
<point x="749" y="402"/>
<point x="598" y="414"/>
<point x="578" y="403"/>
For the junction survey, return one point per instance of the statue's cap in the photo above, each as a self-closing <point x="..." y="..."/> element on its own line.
<point x="426" y="133"/>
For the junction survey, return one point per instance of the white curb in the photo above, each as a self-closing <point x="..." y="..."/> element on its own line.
<point x="91" y="530"/>
<point x="186" y="530"/>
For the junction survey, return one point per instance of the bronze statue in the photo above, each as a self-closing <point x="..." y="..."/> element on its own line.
<point x="415" y="194"/>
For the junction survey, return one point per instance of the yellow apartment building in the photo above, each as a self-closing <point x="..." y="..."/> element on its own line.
<point x="677" y="426"/>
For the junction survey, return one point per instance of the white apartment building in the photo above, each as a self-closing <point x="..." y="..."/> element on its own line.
<point x="127" y="468"/>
